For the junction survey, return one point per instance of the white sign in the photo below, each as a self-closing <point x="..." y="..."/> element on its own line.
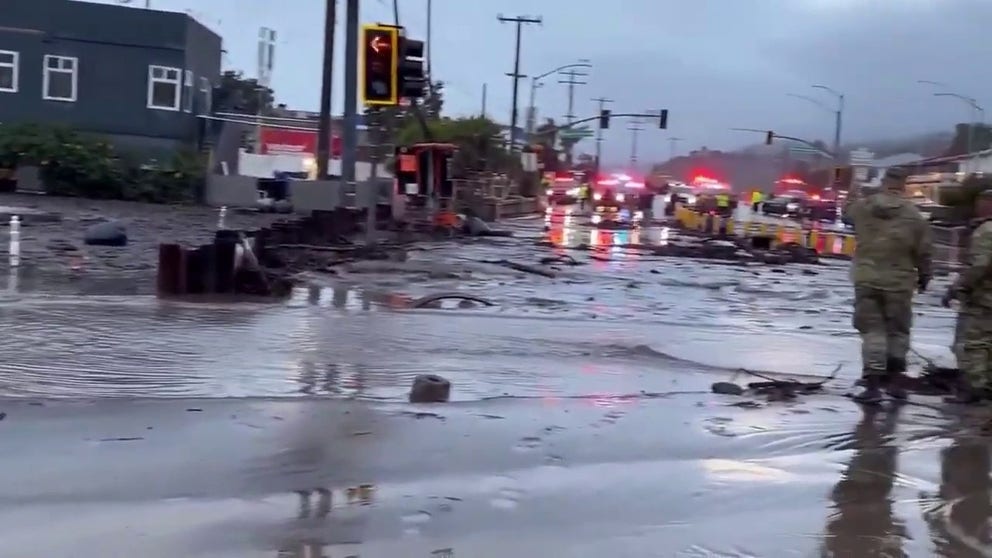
<point x="862" y="157"/>
<point x="528" y="161"/>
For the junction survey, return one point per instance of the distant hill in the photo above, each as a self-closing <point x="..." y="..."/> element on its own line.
<point x="760" y="165"/>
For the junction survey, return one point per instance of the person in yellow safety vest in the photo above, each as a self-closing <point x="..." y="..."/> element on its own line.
<point x="546" y="186"/>
<point x="722" y="202"/>
<point x="583" y="195"/>
<point x="757" y="197"/>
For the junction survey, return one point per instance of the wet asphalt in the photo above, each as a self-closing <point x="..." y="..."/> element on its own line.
<point x="581" y="421"/>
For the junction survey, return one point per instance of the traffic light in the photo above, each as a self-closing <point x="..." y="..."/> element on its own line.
<point x="663" y="119"/>
<point x="604" y="119"/>
<point x="380" y="51"/>
<point x="410" y="69"/>
<point x="769" y="136"/>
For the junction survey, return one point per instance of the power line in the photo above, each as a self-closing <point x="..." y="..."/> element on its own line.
<point x="516" y="75"/>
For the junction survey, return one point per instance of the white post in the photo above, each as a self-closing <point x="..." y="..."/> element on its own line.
<point x="222" y="217"/>
<point x="15" y="241"/>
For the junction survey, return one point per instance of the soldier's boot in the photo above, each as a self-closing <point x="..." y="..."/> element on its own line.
<point x="872" y="392"/>
<point x="964" y="393"/>
<point x="895" y="369"/>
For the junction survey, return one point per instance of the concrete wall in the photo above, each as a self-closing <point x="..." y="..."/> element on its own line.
<point x="263" y="166"/>
<point x="305" y="195"/>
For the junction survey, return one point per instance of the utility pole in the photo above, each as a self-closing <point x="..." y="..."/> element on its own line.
<point x="571" y="83"/>
<point x="430" y="13"/>
<point x="672" y="147"/>
<point x="516" y="75"/>
<point x="349" y="136"/>
<point x="602" y="101"/>
<point x="484" y="100"/>
<point x="635" y="128"/>
<point x="326" y="81"/>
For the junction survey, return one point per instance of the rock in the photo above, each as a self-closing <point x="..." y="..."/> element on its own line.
<point x="476" y="227"/>
<point x="110" y="233"/>
<point x="727" y="388"/>
<point x="429" y="388"/>
<point x="264" y="204"/>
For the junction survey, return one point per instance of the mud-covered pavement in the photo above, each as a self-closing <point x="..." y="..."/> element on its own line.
<point x="581" y="423"/>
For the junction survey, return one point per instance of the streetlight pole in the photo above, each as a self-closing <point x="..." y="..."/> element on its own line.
<point x="672" y="146"/>
<point x="535" y="82"/>
<point x="977" y="114"/>
<point x="838" y="116"/>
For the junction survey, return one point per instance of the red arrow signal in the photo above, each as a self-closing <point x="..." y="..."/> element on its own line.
<point x="379" y="43"/>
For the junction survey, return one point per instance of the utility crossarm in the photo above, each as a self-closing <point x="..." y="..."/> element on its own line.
<point x="560" y="127"/>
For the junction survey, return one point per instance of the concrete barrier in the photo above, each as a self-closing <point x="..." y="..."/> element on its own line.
<point x="305" y="195"/>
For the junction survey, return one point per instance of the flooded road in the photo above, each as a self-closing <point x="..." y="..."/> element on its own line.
<point x="581" y="423"/>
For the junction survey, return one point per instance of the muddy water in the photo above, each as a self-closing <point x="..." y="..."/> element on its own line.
<point x="582" y="424"/>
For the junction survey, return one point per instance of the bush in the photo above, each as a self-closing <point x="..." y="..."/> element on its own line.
<point x="71" y="164"/>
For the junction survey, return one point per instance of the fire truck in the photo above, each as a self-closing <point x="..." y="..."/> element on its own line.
<point x="563" y="187"/>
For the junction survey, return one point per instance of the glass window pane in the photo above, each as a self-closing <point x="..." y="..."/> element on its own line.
<point x="59" y="85"/>
<point x="6" y="78"/>
<point x="164" y="95"/>
<point x="6" y="58"/>
<point x="172" y="75"/>
<point x="52" y="62"/>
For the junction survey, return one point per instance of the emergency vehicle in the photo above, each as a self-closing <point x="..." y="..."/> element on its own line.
<point x="619" y="198"/>
<point x="563" y="187"/>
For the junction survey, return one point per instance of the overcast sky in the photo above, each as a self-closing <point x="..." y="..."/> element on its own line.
<point x="714" y="64"/>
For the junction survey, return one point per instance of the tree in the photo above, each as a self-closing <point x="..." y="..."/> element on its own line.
<point x="237" y="93"/>
<point x="546" y="135"/>
<point x="479" y="141"/>
<point x="982" y="139"/>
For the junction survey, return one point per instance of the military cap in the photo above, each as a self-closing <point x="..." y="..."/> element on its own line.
<point x="896" y="173"/>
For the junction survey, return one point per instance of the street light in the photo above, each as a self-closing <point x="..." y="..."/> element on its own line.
<point x="977" y="113"/>
<point x="535" y="82"/>
<point x="838" y="116"/>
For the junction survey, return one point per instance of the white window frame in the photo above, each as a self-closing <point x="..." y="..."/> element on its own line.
<point x="46" y="77"/>
<point x="15" y="67"/>
<point x="207" y="90"/>
<point x="177" y="84"/>
<point x="188" y="91"/>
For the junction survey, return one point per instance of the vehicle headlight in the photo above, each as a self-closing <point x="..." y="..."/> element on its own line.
<point x="596" y="219"/>
<point x="690" y="199"/>
<point x="573" y="192"/>
<point x="597" y="196"/>
<point x="620" y="197"/>
<point x="549" y="192"/>
<point x="792" y="206"/>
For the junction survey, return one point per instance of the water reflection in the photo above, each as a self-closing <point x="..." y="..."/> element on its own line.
<point x="862" y="523"/>
<point x="959" y="520"/>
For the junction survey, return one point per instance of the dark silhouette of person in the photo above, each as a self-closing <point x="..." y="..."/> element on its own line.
<point x="959" y="516"/>
<point x="862" y="523"/>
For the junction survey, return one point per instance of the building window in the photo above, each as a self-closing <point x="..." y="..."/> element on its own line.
<point x="60" y="81"/>
<point x="188" y="91"/>
<point x="164" y="87"/>
<point x="207" y="91"/>
<point x="8" y="71"/>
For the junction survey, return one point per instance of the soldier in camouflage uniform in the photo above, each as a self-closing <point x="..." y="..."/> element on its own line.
<point x="973" y="289"/>
<point x="891" y="260"/>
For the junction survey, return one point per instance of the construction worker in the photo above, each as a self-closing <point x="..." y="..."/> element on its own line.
<point x="757" y="197"/>
<point x="583" y="194"/>
<point x="891" y="257"/>
<point x="722" y="204"/>
<point x="973" y="289"/>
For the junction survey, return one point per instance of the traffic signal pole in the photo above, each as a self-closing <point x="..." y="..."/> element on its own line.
<point x="349" y="136"/>
<point x="327" y="76"/>
<point x="603" y="101"/>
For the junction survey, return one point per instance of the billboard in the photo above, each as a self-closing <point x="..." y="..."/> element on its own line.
<point x="286" y="141"/>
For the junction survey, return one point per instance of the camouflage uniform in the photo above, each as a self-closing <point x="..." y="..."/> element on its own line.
<point x="973" y="288"/>
<point x="892" y="258"/>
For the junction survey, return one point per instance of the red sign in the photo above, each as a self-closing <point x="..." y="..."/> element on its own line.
<point x="284" y="141"/>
